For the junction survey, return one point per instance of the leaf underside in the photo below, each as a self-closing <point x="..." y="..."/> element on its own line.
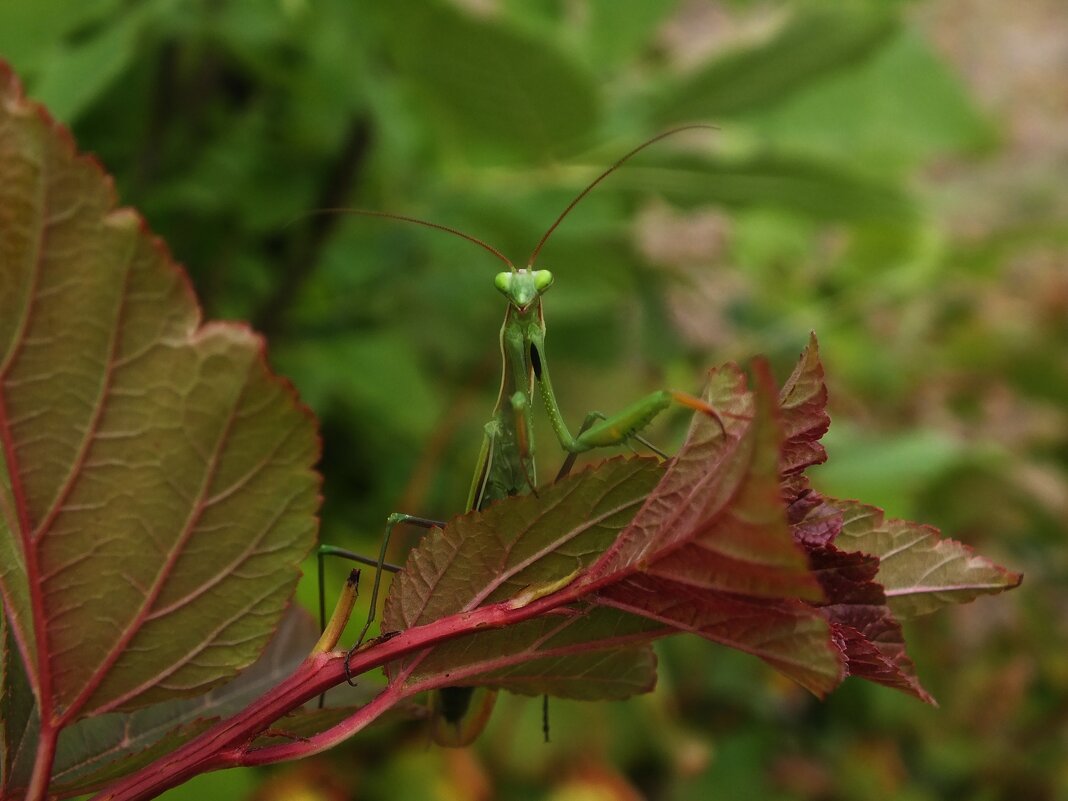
<point x="156" y="481"/>
<point x="97" y="750"/>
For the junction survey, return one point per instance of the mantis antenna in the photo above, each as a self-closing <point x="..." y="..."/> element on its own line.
<point x="403" y="218"/>
<point x="545" y="237"/>
<point x="605" y="174"/>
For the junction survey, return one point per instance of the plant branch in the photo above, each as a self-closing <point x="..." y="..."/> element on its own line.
<point x="42" y="763"/>
<point x="227" y="743"/>
<point x="395" y="692"/>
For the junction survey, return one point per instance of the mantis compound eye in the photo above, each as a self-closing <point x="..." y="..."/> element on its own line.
<point x="503" y="282"/>
<point x="543" y="279"/>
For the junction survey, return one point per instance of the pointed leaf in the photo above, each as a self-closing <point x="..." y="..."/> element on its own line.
<point x="156" y="483"/>
<point x="803" y="411"/>
<point x="815" y="43"/>
<point x="492" y="84"/>
<point x="711" y="551"/>
<point x="919" y="570"/>
<point x="866" y="660"/>
<point x="716" y="520"/>
<point x="495" y="554"/>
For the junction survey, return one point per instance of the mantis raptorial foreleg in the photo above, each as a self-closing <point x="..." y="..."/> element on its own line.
<point x="601" y="431"/>
<point x="590" y="419"/>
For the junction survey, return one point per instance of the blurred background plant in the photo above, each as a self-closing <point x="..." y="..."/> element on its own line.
<point x="889" y="174"/>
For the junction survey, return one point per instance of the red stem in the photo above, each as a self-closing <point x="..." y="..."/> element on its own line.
<point x="227" y="744"/>
<point x="368" y="713"/>
<point x="42" y="763"/>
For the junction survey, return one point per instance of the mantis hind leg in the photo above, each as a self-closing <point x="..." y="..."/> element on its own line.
<point x="392" y="521"/>
<point x="379" y="564"/>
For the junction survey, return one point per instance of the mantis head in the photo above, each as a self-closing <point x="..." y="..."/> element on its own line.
<point x="523" y="287"/>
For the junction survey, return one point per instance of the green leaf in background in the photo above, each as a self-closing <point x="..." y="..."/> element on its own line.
<point x="30" y="33"/>
<point x="885" y="470"/>
<point x="378" y="376"/>
<point x="820" y="190"/>
<point x="615" y="30"/>
<point x="156" y="487"/>
<point x="816" y="43"/>
<point x="896" y="110"/>
<point x="491" y="84"/>
<point x="77" y="72"/>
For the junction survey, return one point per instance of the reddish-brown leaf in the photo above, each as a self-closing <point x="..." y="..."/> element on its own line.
<point x="863" y="625"/>
<point x="156" y="483"/>
<point x="803" y="411"/>
<point x="785" y="633"/>
<point x="716" y="520"/>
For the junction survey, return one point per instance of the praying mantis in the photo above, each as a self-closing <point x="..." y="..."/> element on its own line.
<point x="505" y="465"/>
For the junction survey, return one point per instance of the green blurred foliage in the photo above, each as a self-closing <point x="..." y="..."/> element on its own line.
<point x="875" y="178"/>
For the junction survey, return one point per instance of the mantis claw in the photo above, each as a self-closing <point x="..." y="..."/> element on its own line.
<point x="348" y="670"/>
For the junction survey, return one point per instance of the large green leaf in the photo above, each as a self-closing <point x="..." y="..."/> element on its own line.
<point x="156" y="482"/>
<point x="815" y="43"/>
<point x="900" y="108"/>
<point x="803" y="412"/>
<point x="492" y="84"/>
<point x="804" y="186"/>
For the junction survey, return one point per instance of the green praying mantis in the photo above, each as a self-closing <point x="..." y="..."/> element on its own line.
<point x="505" y="465"/>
